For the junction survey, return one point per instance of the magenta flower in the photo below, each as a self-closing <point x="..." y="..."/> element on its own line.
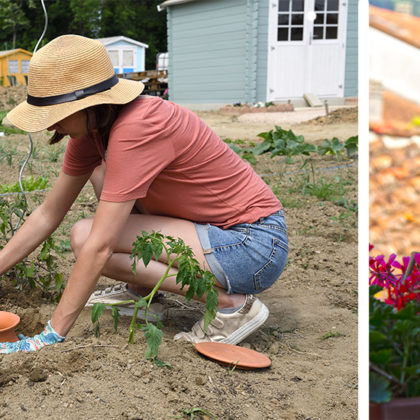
<point x="389" y="275"/>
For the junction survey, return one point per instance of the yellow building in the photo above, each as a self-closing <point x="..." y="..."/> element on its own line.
<point x="14" y="65"/>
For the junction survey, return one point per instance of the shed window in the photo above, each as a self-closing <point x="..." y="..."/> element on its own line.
<point x="128" y="58"/>
<point x="113" y="54"/>
<point x="13" y="66"/>
<point x="326" y="22"/>
<point x="24" y="66"/>
<point x="290" y="20"/>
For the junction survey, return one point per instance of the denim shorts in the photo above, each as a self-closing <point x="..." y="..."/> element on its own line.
<point x="249" y="257"/>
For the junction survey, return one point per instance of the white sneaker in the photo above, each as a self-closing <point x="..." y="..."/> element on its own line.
<point x="120" y="293"/>
<point x="229" y="328"/>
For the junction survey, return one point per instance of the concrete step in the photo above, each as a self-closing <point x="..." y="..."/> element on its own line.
<point x="312" y="99"/>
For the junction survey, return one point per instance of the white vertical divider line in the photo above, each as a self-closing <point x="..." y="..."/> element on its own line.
<point x="363" y="242"/>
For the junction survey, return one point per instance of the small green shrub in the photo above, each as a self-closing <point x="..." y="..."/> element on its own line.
<point x="29" y="184"/>
<point x="41" y="271"/>
<point x="284" y="143"/>
<point x="8" y="130"/>
<point x="331" y="147"/>
<point x="351" y="145"/>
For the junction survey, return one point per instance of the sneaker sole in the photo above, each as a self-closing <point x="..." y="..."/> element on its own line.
<point x="151" y="316"/>
<point x="248" y="328"/>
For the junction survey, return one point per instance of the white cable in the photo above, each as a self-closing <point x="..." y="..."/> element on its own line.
<point x="30" y="137"/>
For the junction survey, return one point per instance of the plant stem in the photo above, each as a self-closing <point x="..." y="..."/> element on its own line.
<point x="405" y="359"/>
<point x="149" y="297"/>
<point x="409" y="268"/>
<point x="386" y="375"/>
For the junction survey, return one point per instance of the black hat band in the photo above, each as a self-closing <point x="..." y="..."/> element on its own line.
<point x="73" y="96"/>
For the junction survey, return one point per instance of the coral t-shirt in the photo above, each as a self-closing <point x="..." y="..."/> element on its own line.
<point x="164" y="155"/>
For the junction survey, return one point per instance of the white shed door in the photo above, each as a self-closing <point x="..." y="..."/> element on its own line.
<point x="306" y="48"/>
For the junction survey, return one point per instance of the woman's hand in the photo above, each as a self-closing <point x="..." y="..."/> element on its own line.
<point x="26" y="344"/>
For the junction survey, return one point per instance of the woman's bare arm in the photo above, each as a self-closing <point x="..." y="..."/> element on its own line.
<point x="108" y="223"/>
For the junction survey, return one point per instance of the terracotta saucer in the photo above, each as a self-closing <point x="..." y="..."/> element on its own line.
<point x="231" y="355"/>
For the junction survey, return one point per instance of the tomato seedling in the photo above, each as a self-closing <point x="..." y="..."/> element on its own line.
<point x="189" y="274"/>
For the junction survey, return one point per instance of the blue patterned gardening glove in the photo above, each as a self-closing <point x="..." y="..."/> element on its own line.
<point x="26" y="344"/>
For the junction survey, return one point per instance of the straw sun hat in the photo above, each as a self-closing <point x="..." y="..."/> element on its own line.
<point x="67" y="75"/>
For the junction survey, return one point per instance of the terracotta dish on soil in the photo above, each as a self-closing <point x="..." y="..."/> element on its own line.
<point x="8" y="323"/>
<point x="235" y="356"/>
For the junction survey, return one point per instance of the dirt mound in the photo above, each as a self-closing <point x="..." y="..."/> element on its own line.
<point x="347" y="114"/>
<point x="11" y="96"/>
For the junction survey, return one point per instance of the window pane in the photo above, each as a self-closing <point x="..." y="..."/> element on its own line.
<point x="297" y="19"/>
<point x="332" y="18"/>
<point x="284" y="5"/>
<point x="297" y="34"/>
<point x="319" y="19"/>
<point x="284" y="19"/>
<point x="318" y="32"/>
<point x="13" y="66"/>
<point x="128" y="59"/>
<point x="113" y="54"/>
<point x="24" y="66"/>
<point x="332" y="5"/>
<point x="331" y="32"/>
<point x="319" y="4"/>
<point x="282" y="34"/>
<point x="297" y="5"/>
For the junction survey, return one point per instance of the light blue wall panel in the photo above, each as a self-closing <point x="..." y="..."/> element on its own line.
<point x="262" y="51"/>
<point x="351" y="74"/>
<point x="207" y="51"/>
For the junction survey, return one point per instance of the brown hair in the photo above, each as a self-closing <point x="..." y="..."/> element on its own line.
<point x="104" y="115"/>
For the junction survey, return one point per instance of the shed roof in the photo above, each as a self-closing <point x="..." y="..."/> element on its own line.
<point x="168" y="3"/>
<point x="399" y="25"/>
<point x="16" y="50"/>
<point x="113" y="39"/>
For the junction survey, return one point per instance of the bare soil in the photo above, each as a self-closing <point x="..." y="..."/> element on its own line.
<point x="310" y="335"/>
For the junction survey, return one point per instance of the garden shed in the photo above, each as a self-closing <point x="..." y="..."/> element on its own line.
<point x="227" y="51"/>
<point x="127" y="55"/>
<point x="14" y="65"/>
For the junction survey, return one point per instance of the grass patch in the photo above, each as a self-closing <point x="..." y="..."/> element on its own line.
<point x="8" y="130"/>
<point x="331" y="334"/>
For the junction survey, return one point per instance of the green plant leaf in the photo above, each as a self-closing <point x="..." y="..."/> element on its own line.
<point x="375" y="336"/>
<point x="97" y="310"/>
<point x="141" y="303"/>
<point x="153" y="337"/>
<point x="201" y="284"/>
<point x="97" y="330"/>
<point x="116" y="317"/>
<point x="352" y="145"/>
<point x="378" y="389"/>
<point x="161" y="363"/>
<point x="211" y="307"/>
<point x="381" y="357"/>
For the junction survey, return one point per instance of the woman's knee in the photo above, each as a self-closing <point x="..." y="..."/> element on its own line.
<point x="79" y="234"/>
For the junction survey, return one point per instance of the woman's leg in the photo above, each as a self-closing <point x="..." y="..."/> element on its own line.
<point x="238" y="315"/>
<point x="119" y="265"/>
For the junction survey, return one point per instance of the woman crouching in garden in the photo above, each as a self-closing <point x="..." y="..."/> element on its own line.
<point x="155" y="166"/>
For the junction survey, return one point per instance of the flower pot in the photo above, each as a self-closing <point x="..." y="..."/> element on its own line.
<point x="397" y="409"/>
<point x="8" y="323"/>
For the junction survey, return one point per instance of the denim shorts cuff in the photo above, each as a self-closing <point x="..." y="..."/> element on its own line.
<point x="215" y="267"/>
